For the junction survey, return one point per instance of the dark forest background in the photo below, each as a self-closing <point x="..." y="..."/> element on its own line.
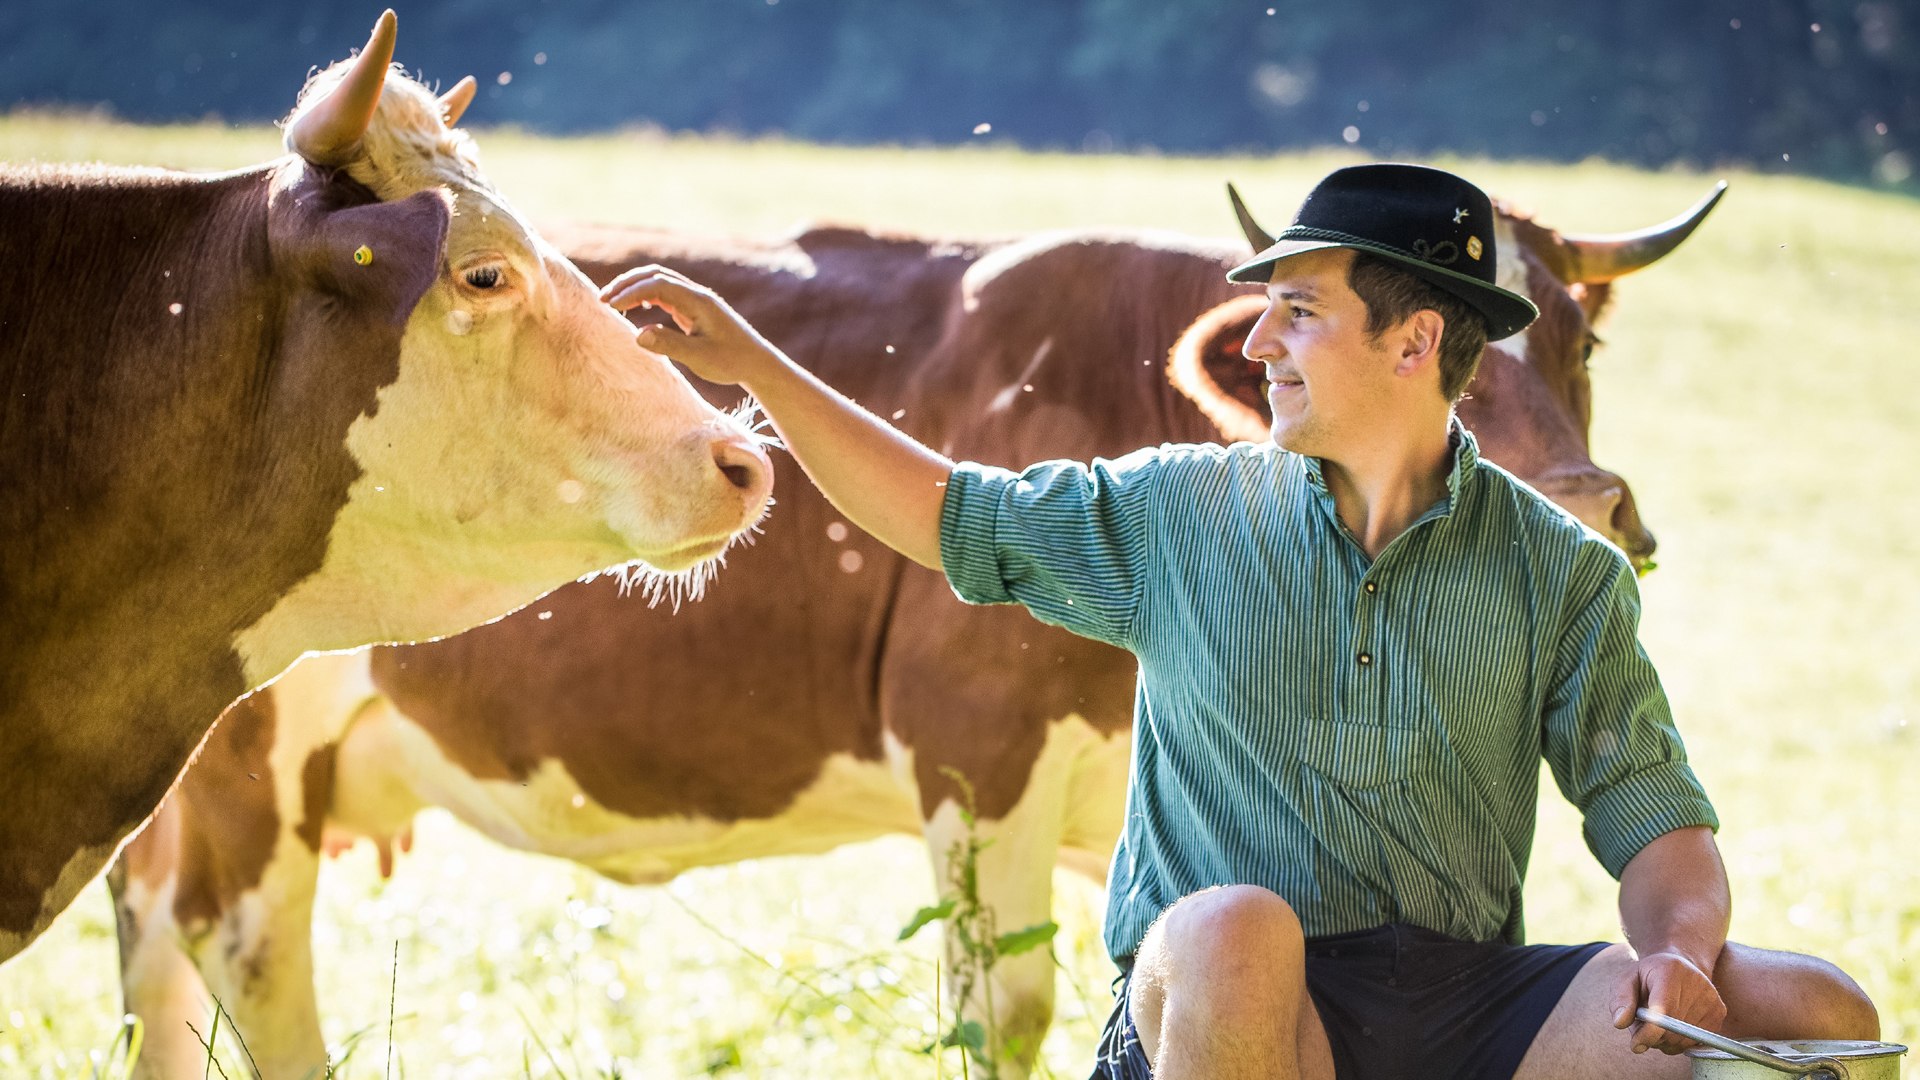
<point x="1829" y="87"/>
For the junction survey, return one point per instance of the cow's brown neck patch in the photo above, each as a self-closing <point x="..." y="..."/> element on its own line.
<point x="177" y="394"/>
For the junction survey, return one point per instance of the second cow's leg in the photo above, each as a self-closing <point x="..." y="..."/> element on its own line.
<point x="158" y="983"/>
<point x="222" y="883"/>
<point x="224" y="878"/>
<point x="257" y="959"/>
<point x="1013" y="866"/>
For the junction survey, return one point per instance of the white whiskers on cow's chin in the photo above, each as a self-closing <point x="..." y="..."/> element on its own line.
<point x="677" y="586"/>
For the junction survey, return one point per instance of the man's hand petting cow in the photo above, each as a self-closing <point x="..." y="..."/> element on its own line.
<point x="824" y="688"/>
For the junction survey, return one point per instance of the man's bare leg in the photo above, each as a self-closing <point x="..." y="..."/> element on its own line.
<point x="1219" y="991"/>
<point x="1769" y="995"/>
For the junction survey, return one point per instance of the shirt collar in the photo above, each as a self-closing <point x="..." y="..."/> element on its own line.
<point x="1466" y="456"/>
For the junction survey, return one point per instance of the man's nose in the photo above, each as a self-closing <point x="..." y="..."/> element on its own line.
<point x="1262" y="347"/>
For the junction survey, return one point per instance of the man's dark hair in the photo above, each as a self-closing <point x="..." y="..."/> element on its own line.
<point x="1391" y="295"/>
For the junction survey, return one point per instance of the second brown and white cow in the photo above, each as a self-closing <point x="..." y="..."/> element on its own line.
<point x="818" y="692"/>
<point x="340" y="398"/>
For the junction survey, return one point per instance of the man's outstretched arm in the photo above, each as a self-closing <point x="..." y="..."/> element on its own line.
<point x="884" y="481"/>
<point x="1674" y="907"/>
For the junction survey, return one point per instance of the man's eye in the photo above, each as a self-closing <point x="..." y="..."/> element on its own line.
<point x="483" y="277"/>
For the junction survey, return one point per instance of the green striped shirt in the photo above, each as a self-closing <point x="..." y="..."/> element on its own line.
<point x="1361" y="737"/>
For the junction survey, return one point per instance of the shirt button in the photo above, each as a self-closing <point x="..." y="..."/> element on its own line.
<point x="1372" y="588"/>
<point x="1366" y="659"/>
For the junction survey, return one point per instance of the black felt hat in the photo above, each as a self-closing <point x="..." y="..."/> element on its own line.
<point x="1428" y="222"/>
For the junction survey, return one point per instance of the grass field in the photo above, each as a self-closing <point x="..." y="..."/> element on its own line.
<point x="1757" y="388"/>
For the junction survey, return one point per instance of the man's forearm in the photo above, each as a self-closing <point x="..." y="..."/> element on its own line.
<point x="884" y="481"/>
<point x="1674" y="898"/>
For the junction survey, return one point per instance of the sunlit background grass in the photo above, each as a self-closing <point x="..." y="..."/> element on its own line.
<point x="1758" y="389"/>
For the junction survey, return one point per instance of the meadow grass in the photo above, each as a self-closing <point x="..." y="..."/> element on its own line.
<point x="1757" y="389"/>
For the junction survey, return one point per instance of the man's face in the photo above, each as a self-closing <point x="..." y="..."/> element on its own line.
<point x="1330" y="382"/>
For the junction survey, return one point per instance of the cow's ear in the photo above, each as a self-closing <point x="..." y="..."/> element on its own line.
<point x="1208" y="365"/>
<point x="383" y="256"/>
<point x="331" y="233"/>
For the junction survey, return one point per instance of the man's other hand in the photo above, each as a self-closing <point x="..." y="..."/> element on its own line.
<point x="1671" y="985"/>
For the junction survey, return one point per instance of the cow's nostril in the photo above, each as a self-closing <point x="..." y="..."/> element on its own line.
<point x="739" y="463"/>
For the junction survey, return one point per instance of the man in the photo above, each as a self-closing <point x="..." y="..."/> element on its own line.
<point x="1355" y="644"/>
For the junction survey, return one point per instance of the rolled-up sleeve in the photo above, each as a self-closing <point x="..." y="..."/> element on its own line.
<point x="1609" y="736"/>
<point x="1070" y="542"/>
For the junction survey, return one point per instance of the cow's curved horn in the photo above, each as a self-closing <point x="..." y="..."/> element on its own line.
<point x="1255" y="234"/>
<point x="1603" y="258"/>
<point x="328" y="132"/>
<point x="453" y="103"/>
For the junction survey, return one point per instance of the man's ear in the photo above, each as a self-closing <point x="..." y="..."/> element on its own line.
<point x="1419" y="339"/>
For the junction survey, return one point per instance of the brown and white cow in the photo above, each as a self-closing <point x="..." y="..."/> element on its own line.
<point x="343" y="397"/>
<point x="816" y="694"/>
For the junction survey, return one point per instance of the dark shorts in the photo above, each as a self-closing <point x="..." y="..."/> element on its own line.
<point x="1403" y="1001"/>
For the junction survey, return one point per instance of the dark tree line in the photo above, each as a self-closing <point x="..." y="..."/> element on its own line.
<point x="1825" y="86"/>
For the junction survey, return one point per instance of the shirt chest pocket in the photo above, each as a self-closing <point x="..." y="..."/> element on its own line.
<point x="1362" y="756"/>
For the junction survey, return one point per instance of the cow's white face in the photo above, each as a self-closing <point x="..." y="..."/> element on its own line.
<point x="525" y="413"/>
<point x="526" y="440"/>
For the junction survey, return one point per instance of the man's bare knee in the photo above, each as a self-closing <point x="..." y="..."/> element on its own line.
<point x="1237" y="940"/>
<point x="1224" y="960"/>
<point x="1220" y="931"/>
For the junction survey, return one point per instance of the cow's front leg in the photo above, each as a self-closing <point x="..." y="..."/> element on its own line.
<point x="223" y="879"/>
<point x="158" y="983"/>
<point x="256" y="957"/>
<point x="1012" y="864"/>
<point x="251" y="949"/>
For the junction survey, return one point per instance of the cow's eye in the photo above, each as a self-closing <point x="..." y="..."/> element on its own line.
<point x="484" y="277"/>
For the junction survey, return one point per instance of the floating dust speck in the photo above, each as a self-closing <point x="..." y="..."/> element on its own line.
<point x="504" y="78"/>
<point x="899" y="414"/>
<point x="544" y="616"/>
<point x="570" y="491"/>
<point x="578" y="800"/>
<point x="982" y="129"/>
<point x="539" y="58"/>
<point x="851" y="561"/>
<point x="1350" y="134"/>
<point x="175" y="308"/>
<point x="459" y="322"/>
<point x="837" y="531"/>
<point x="1883" y="131"/>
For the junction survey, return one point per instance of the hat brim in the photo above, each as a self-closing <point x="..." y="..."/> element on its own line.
<point x="1507" y="313"/>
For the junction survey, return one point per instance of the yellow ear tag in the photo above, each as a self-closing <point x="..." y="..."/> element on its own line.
<point x="363" y="255"/>
<point x="1473" y="246"/>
